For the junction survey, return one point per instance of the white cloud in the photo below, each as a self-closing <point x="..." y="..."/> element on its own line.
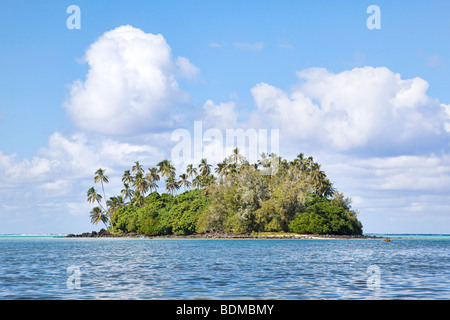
<point x="131" y="85"/>
<point x="15" y="172"/>
<point x="371" y="108"/>
<point x="76" y="154"/>
<point x="56" y="185"/>
<point x="68" y="159"/>
<point x="220" y="116"/>
<point x="79" y="209"/>
<point x="246" y="46"/>
<point x="215" y="45"/>
<point x="131" y="91"/>
<point x="399" y="173"/>
<point x="417" y="206"/>
<point x="120" y="154"/>
<point x="447" y="110"/>
<point x="54" y="182"/>
<point x="186" y="68"/>
<point x="389" y="192"/>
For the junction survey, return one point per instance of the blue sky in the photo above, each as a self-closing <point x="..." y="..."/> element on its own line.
<point x="377" y="99"/>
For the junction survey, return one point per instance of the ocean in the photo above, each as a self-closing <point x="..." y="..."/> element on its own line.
<point x="58" y="268"/>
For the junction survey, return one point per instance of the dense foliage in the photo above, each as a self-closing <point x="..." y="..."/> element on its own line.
<point x="272" y="195"/>
<point x="157" y="216"/>
<point x="322" y="216"/>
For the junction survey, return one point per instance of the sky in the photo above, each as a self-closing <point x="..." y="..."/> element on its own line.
<point x="364" y="92"/>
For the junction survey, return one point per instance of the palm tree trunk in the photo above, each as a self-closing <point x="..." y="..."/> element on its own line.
<point x="107" y="212"/>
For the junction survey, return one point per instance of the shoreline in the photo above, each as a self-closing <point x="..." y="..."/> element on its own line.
<point x="106" y="234"/>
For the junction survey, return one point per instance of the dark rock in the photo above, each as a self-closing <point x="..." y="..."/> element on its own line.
<point x="103" y="233"/>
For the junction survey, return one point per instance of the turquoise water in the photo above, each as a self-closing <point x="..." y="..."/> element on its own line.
<point x="408" y="267"/>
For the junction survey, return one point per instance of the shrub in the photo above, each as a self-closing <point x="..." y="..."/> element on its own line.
<point x="323" y="217"/>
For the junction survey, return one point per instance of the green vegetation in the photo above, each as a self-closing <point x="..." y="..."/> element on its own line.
<point x="240" y="198"/>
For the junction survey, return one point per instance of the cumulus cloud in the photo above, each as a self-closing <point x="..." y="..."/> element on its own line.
<point x="131" y="85"/>
<point x="390" y="190"/>
<point x="186" y="68"/>
<point x="361" y="108"/>
<point x="15" y="172"/>
<point x="221" y="116"/>
<point x="123" y="154"/>
<point x="72" y="158"/>
<point x="373" y="129"/>
<point x="425" y="173"/>
<point x="54" y="182"/>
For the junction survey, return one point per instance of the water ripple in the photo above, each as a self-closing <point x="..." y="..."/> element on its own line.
<point x="223" y="269"/>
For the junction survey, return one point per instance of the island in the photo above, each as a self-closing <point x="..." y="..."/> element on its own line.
<point x="273" y="198"/>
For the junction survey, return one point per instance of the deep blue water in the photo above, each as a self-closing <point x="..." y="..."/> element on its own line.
<point x="411" y="267"/>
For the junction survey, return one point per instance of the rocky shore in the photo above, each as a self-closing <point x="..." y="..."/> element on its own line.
<point x="103" y="234"/>
<point x="106" y="234"/>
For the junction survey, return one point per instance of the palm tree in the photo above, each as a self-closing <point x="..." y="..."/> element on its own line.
<point x="137" y="168"/>
<point x="97" y="215"/>
<point x="315" y="171"/>
<point x="309" y="163"/>
<point x="184" y="181"/>
<point x="317" y="176"/>
<point x="326" y="188"/>
<point x="275" y="162"/>
<point x="221" y="169"/>
<point x="115" y="203"/>
<point x="166" y="168"/>
<point x="140" y="183"/>
<point x="152" y="185"/>
<point x="127" y="178"/>
<point x="300" y="161"/>
<point x="197" y="182"/>
<point x="205" y="168"/>
<point x="152" y="176"/>
<point x="265" y="163"/>
<point x="322" y="185"/>
<point x="231" y="169"/>
<point x="138" y="199"/>
<point x="171" y="186"/>
<point x="236" y="157"/>
<point x="191" y="171"/>
<point x="93" y="196"/>
<point x="208" y="179"/>
<point x="100" y="176"/>
<point x="127" y="192"/>
<point x="205" y="171"/>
